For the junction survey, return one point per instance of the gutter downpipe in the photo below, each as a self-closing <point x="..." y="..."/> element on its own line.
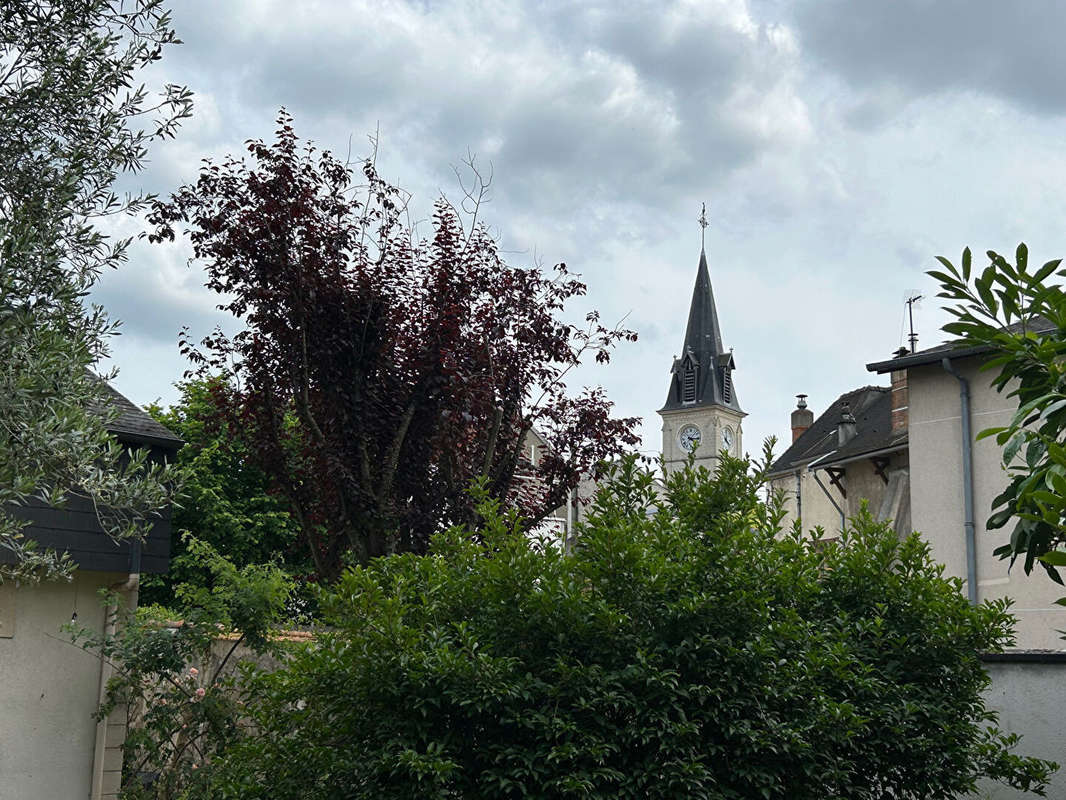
<point x="967" y="480"/>
<point x="128" y="587"/>
<point x="825" y="491"/>
<point x="799" y="497"/>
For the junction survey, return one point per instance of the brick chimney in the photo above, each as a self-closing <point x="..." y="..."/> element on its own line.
<point x="900" y="397"/>
<point x="802" y="417"/>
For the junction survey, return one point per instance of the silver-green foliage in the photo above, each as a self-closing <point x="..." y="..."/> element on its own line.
<point x="684" y="649"/>
<point x="72" y="119"/>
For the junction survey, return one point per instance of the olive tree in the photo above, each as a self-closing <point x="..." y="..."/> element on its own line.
<point x="72" y="120"/>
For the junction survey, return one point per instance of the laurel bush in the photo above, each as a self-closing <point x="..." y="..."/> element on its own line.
<point x="685" y="647"/>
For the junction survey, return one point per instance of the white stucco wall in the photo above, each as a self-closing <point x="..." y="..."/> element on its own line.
<point x="1031" y="702"/>
<point x="49" y="689"/>
<point x="814" y="507"/>
<point x="937" y="501"/>
<point x="861" y="481"/>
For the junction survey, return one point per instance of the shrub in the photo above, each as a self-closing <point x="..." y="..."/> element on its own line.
<point x="177" y="674"/>
<point x="685" y="648"/>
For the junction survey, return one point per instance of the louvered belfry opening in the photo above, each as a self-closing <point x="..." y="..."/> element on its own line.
<point x="727" y="384"/>
<point x="688" y="383"/>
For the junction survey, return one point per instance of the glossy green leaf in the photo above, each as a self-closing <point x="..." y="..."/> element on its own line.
<point x="1056" y="558"/>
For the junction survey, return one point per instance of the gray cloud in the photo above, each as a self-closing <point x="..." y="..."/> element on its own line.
<point x="839" y="147"/>
<point x="636" y="101"/>
<point x="154" y="304"/>
<point x="1012" y="50"/>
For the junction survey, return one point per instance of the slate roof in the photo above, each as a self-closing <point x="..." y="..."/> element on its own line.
<point x="703" y="346"/>
<point x="872" y="408"/>
<point x="134" y="424"/>
<point x="933" y="355"/>
<point x="75" y="527"/>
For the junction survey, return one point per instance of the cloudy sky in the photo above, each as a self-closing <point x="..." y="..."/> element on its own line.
<point x="839" y="145"/>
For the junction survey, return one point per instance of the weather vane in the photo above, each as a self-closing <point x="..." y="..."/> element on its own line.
<point x="703" y="225"/>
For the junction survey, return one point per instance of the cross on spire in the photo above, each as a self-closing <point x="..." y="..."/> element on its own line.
<point x="703" y="226"/>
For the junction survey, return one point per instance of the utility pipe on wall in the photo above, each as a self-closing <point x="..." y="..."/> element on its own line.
<point x="967" y="481"/>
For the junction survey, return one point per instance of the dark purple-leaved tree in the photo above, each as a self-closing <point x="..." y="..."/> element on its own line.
<point x="377" y="375"/>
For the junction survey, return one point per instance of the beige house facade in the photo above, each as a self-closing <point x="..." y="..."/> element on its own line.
<point x="903" y="449"/>
<point x="51" y="747"/>
<point x="561" y="524"/>
<point x="853" y="454"/>
<point x="951" y="400"/>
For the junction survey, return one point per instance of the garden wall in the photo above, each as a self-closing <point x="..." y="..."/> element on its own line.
<point x="1029" y="693"/>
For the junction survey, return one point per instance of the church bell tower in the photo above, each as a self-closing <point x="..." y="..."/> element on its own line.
<point x="701" y="413"/>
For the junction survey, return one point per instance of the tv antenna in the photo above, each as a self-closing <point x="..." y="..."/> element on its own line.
<point x="912" y="299"/>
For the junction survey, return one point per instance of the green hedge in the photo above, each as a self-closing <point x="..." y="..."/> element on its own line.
<point x="684" y="649"/>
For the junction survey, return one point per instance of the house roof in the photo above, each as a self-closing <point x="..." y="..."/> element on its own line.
<point x="933" y="355"/>
<point x="703" y="347"/>
<point x="75" y="528"/>
<point x="872" y="408"/>
<point x="134" y="424"/>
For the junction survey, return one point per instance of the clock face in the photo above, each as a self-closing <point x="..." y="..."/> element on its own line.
<point x="689" y="438"/>
<point x="727" y="438"/>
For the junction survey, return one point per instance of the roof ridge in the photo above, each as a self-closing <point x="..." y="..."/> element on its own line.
<point x="867" y="388"/>
<point x="952" y="348"/>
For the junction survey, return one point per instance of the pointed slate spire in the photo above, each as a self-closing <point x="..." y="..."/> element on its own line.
<point x="702" y="375"/>
<point x="703" y="336"/>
